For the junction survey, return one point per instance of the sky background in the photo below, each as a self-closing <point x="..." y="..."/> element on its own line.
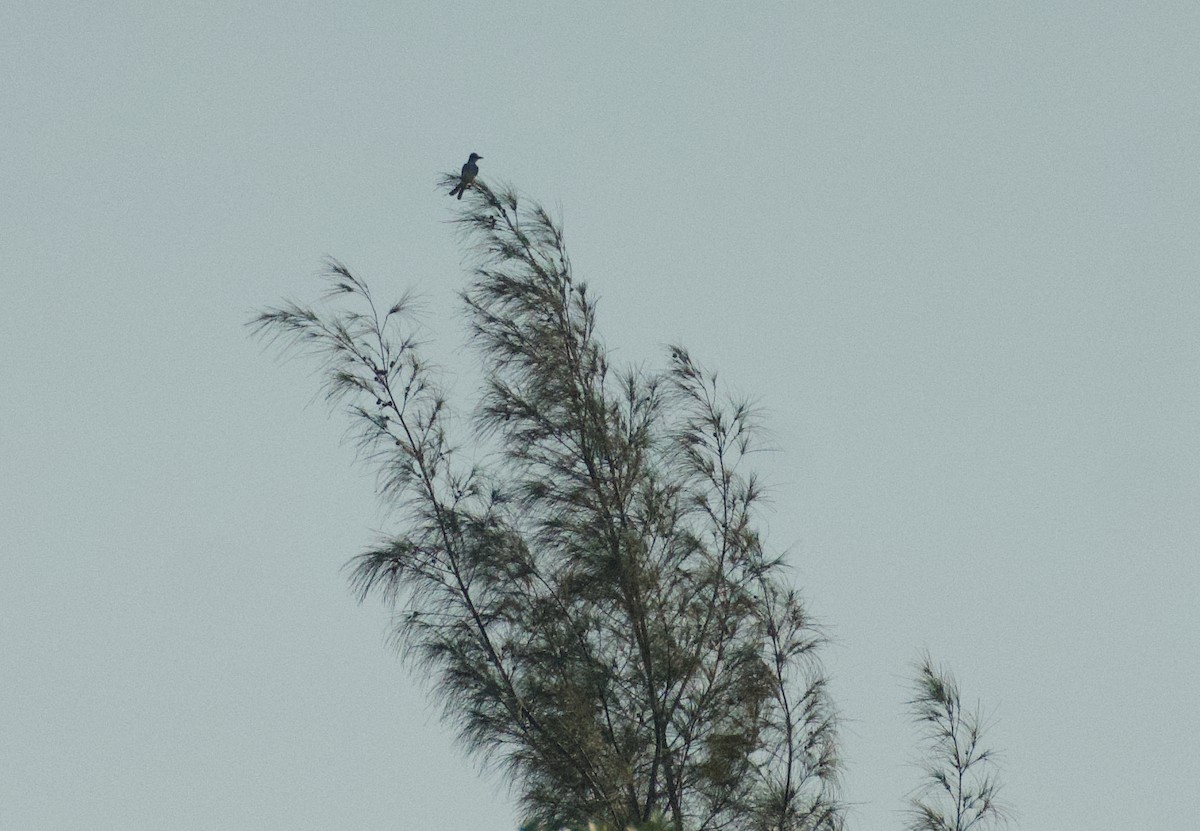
<point x="950" y="248"/>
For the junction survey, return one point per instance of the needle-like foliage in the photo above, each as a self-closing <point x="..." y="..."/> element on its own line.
<point x="959" y="783"/>
<point x="585" y="585"/>
<point x="595" y="607"/>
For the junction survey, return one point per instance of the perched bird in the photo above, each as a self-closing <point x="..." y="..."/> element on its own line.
<point x="469" y="172"/>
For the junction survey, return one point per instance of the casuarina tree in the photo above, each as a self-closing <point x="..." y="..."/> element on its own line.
<point x="959" y="788"/>
<point x="580" y="574"/>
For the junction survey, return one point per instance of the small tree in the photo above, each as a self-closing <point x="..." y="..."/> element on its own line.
<point x="592" y="599"/>
<point x="959" y="784"/>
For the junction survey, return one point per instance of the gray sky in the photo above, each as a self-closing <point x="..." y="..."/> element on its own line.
<point x="951" y="248"/>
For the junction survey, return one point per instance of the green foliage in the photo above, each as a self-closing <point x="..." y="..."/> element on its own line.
<point x="655" y="823"/>
<point x="584" y="583"/>
<point x="959" y="786"/>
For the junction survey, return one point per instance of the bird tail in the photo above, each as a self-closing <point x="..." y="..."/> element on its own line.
<point x="458" y="190"/>
<point x="461" y="189"/>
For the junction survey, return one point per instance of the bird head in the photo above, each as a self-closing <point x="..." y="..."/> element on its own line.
<point x="474" y="156"/>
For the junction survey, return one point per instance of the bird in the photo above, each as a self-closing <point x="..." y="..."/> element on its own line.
<point x="469" y="171"/>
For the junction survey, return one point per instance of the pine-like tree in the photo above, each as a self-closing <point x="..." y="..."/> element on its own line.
<point x="959" y="786"/>
<point x="591" y="598"/>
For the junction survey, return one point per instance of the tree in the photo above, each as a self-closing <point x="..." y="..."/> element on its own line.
<point x="959" y="787"/>
<point x="583" y="578"/>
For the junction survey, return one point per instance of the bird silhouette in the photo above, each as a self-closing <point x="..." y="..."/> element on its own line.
<point x="469" y="171"/>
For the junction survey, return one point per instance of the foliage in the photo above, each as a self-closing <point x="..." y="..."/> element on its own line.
<point x="959" y="785"/>
<point x="592" y="599"/>
<point x="655" y="823"/>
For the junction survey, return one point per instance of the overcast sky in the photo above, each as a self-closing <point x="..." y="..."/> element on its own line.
<point x="950" y="248"/>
